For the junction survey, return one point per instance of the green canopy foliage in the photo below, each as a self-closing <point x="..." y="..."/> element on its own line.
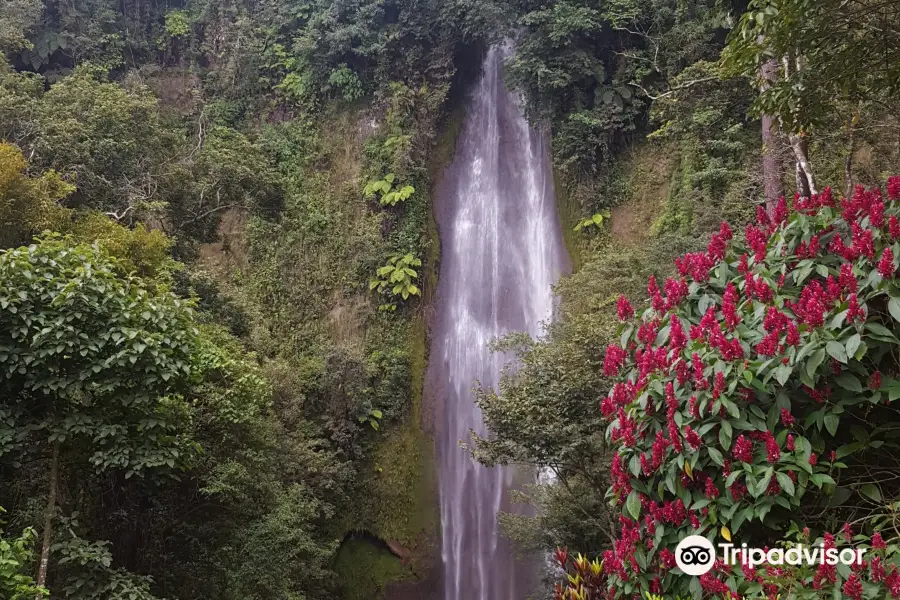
<point x="105" y="135"/>
<point x="591" y="68"/>
<point x="90" y="356"/>
<point x="16" y="21"/>
<point x="28" y="205"/>
<point x="831" y="54"/>
<point x="15" y="554"/>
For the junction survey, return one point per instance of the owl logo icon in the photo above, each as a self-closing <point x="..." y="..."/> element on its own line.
<point x="695" y="555"/>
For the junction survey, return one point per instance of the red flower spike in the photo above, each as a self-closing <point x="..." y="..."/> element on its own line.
<point x="854" y="311"/>
<point x="780" y="212"/>
<point x="659" y="303"/>
<point x="886" y="264"/>
<point x="893" y="187"/>
<point x="677" y="339"/>
<point x="624" y="309"/>
<point x="875" y="381"/>
<point x="894" y="227"/>
<point x="692" y="438"/>
<point x="853" y="588"/>
<point x="787" y="419"/>
<point x="743" y="449"/>
<point x="773" y="452"/>
<point x="615" y="358"/>
<point x="757" y="240"/>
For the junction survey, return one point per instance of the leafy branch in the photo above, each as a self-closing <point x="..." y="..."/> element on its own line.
<point x="390" y="196"/>
<point x="397" y="278"/>
<point x="595" y="220"/>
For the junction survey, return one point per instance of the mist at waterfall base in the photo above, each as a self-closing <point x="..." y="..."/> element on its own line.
<point x="501" y="252"/>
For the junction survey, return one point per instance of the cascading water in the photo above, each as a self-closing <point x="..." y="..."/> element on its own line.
<point x="501" y="252"/>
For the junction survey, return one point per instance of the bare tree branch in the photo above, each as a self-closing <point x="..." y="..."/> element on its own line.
<point x="682" y="86"/>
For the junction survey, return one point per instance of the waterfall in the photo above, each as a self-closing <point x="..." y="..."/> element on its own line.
<point x="501" y="252"/>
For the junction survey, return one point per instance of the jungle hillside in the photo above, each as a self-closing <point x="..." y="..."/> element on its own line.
<point x="218" y="260"/>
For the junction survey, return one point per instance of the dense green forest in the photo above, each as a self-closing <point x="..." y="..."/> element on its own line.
<point x="219" y="254"/>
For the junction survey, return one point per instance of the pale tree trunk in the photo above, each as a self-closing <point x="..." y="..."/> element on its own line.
<point x="48" y="521"/>
<point x="806" y="182"/>
<point x="801" y="183"/>
<point x="771" y="169"/>
<point x="848" y="164"/>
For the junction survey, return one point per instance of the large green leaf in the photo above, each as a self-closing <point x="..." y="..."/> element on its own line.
<point x="894" y="308"/>
<point x="633" y="504"/>
<point x="813" y="363"/>
<point x="837" y="351"/>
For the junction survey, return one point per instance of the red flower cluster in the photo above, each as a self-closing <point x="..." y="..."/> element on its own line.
<point x="730" y="301"/>
<point x="811" y="205"/>
<point x="826" y="574"/>
<point x="615" y="358"/>
<point x="773" y="451"/>
<point x="689" y="386"/>
<point x="675" y="292"/>
<point x="854" y="311"/>
<point x="677" y="339"/>
<point x="814" y="303"/>
<point x="719" y="241"/>
<point x="696" y="265"/>
<point x="893" y="187"/>
<point x="647" y="332"/>
<point x="621" y="482"/>
<point x="787" y="419"/>
<point x="865" y="203"/>
<point x="692" y="438"/>
<point x="624" y="309"/>
<point x="756" y="287"/>
<point x="808" y="251"/>
<point x="757" y="241"/>
<point x="743" y="449"/>
<point x="886" y="265"/>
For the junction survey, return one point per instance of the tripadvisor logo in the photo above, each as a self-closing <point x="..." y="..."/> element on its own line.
<point x="695" y="555"/>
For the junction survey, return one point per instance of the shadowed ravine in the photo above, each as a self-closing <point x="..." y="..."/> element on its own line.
<point x="501" y="252"/>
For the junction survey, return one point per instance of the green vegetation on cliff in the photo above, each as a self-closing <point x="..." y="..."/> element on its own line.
<point x="222" y="154"/>
<point x="218" y="252"/>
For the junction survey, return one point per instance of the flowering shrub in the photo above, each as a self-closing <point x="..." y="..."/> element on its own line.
<point x="753" y="397"/>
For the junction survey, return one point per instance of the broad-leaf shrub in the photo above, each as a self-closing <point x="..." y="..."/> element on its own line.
<point x="397" y="279"/>
<point x="16" y="554"/>
<point x="389" y="195"/>
<point x="753" y="399"/>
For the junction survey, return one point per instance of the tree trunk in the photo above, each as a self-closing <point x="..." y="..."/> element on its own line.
<point x="801" y="183"/>
<point x="48" y="521"/>
<point x="848" y="164"/>
<point x="806" y="183"/>
<point x="771" y="170"/>
<point x="805" y="179"/>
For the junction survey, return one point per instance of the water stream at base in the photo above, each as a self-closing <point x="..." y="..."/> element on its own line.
<point x="501" y="252"/>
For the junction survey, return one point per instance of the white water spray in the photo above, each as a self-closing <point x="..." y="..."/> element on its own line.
<point x="501" y="252"/>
